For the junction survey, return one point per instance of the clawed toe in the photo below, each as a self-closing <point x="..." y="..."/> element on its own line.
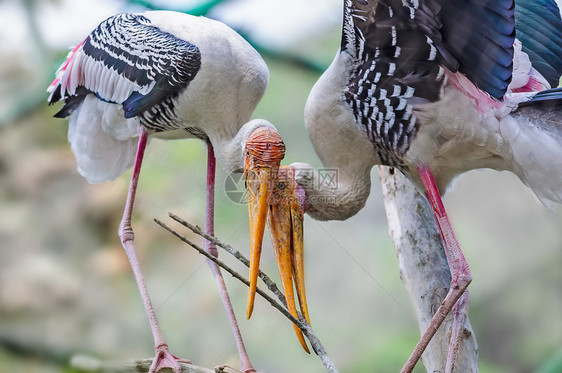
<point x="165" y="359"/>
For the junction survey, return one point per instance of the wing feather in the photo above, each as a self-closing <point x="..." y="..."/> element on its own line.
<point x="124" y="56"/>
<point x="539" y="27"/>
<point x="405" y="47"/>
<point x="474" y="37"/>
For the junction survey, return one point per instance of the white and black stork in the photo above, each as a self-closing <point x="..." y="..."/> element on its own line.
<point x="173" y="76"/>
<point x="435" y="88"/>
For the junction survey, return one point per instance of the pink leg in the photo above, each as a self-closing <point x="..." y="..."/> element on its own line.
<point x="163" y="358"/>
<point x="245" y="363"/>
<point x="461" y="278"/>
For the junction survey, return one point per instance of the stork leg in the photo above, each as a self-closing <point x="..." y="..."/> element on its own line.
<point x="457" y="298"/>
<point x="245" y="363"/>
<point x="163" y="358"/>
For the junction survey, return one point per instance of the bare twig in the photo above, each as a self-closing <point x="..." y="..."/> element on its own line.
<point x="280" y="306"/>
<point x="229" y="249"/>
<point x="233" y="272"/>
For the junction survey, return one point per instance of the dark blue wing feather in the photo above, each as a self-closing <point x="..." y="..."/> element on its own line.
<point x="554" y="94"/>
<point x="138" y="103"/>
<point x="480" y="35"/>
<point x="539" y="28"/>
<point x="549" y="101"/>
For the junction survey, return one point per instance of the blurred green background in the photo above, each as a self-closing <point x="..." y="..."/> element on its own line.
<point x="65" y="283"/>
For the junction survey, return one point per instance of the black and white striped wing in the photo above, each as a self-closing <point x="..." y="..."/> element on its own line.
<point x="126" y="60"/>
<point x="402" y="48"/>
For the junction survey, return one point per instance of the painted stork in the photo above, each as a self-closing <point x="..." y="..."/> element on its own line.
<point x="169" y="75"/>
<point x="435" y="88"/>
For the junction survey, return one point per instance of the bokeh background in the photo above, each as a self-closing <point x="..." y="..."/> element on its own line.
<point x="65" y="283"/>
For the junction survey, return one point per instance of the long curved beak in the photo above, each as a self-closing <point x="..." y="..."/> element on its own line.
<point x="271" y="191"/>
<point x="263" y="153"/>
<point x="286" y="228"/>
<point x="259" y="185"/>
<point x="272" y="198"/>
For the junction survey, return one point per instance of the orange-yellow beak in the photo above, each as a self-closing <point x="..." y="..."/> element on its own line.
<point x="272" y="192"/>
<point x="286" y="228"/>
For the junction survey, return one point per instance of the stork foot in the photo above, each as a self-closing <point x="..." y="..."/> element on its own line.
<point x="165" y="359"/>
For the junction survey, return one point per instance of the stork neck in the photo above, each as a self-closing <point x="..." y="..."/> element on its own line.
<point x="341" y="145"/>
<point x="334" y="193"/>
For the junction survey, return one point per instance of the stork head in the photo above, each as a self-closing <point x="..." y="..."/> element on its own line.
<point x="273" y="197"/>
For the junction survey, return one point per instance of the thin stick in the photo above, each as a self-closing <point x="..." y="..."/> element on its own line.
<point x="229" y="249"/>
<point x="301" y="323"/>
<point x="233" y="272"/>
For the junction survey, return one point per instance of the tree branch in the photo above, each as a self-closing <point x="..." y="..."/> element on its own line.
<point x="87" y="364"/>
<point x="301" y="323"/>
<point x="424" y="269"/>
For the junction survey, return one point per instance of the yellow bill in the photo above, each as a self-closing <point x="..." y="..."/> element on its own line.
<point x="263" y="153"/>
<point x="258" y="195"/>
<point x="271" y="192"/>
<point x="286" y="228"/>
